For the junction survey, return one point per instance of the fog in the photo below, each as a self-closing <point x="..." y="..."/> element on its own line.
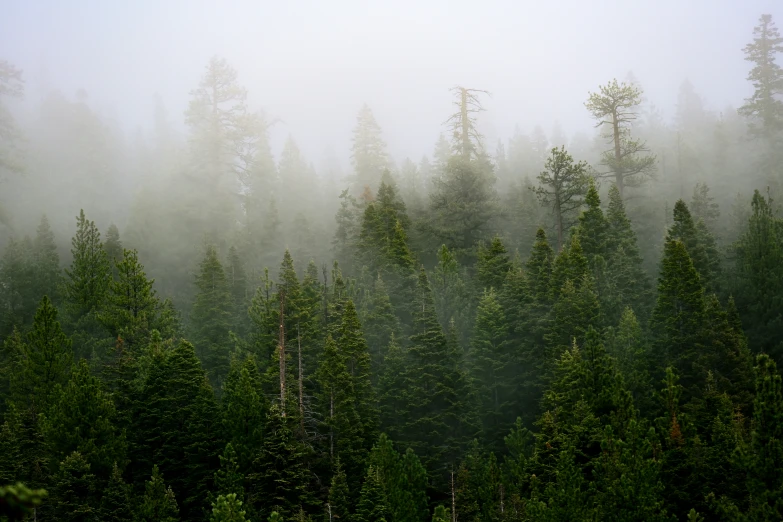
<point x="313" y="64"/>
<point x="107" y="86"/>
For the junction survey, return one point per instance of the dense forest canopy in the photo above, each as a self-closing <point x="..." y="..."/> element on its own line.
<point x="525" y="329"/>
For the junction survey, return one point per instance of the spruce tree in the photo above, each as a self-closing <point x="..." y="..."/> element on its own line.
<point x="18" y="280"/>
<point x="380" y="324"/>
<point x="244" y="405"/>
<point x="699" y="244"/>
<point x="373" y="505"/>
<point x="229" y="480"/>
<point x="764" y="106"/>
<point x="238" y="287"/>
<point x="392" y="394"/>
<point x="338" y="504"/>
<point x="211" y="316"/>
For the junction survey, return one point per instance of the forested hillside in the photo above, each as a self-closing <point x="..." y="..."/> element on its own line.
<point x="537" y="330"/>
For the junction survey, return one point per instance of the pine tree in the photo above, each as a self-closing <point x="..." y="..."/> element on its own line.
<point x="338" y="506"/>
<point x="392" y="395"/>
<point x="244" y="405"/>
<point x="46" y="263"/>
<point x="593" y="227"/>
<point x="44" y="360"/>
<point x="767" y="78"/>
<point x="131" y="309"/>
<point x="158" y="503"/>
<point x="441" y="415"/>
<point x="17" y="278"/>
<point x="87" y="279"/>
<point x="113" y="248"/>
<point x="759" y="277"/>
<point x="563" y="185"/>
<point x="211" y="316"/>
<point x="492" y="368"/>
<point x="237" y="283"/>
<point x="229" y="480"/>
<point x="380" y="324"/>
<point x="677" y="321"/>
<point x="373" y="505"/>
<point x="368" y="152"/>
<point x="493" y="264"/>
<point x="616" y="107"/>
<point x="115" y="502"/>
<point x="176" y="426"/>
<point x="75" y="490"/>
<point x="280" y="480"/>
<point x="696" y="241"/>
<point x="83" y="419"/>
<point x="227" y="508"/>
<point x="629" y="284"/>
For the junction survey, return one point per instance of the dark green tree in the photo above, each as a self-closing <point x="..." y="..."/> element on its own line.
<point x="158" y="503"/>
<point x="493" y="264"/>
<point x="211" y="316"/>
<point x="244" y="407"/>
<point x="338" y="505"/>
<point x="116" y="499"/>
<point x="87" y="279"/>
<point x="75" y="496"/>
<point x="373" y="505"/>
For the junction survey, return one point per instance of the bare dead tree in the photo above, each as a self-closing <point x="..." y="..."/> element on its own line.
<point x="468" y="141"/>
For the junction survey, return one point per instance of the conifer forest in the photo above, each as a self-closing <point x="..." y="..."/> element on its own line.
<point x="202" y="321"/>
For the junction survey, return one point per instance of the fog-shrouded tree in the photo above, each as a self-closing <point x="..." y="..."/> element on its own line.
<point x="368" y="152"/>
<point x="616" y="106"/>
<point x="11" y="157"/>
<point x="764" y="107"/>
<point x="562" y="186"/>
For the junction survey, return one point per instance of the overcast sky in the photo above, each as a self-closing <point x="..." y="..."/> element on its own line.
<point x="313" y="63"/>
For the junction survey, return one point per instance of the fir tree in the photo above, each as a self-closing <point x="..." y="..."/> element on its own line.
<point x="229" y="480"/>
<point x="244" y="405"/>
<point x="767" y="78"/>
<point x="211" y="315"/>
<point x="46" y="263"/>
<point x="373" y="505"/>
<point x="237" y="284"/>
<point x="696" y="241"/>
<point x="338" y="505"/>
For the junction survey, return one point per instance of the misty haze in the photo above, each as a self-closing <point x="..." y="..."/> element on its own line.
<point x="391" y="261"/>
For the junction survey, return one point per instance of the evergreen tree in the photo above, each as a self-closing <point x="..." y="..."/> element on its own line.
<point x="237" y="283"/>
<point x="113" y="248"/>
<point x="46" y="263"/>
<point x="696" y="240"/>
<point x="380" y="324"/>
<point x="492" y="369"/>
<point x="764" y="107"/>
<point x="17" y="278"/>
<point x="677" y="320"/>
<point x="115" y="502"/>
<point x="368" y="152"/>
<point x="441" y="415"/>
<point x="280" y="479"/>
<point x="211" y="316"/>
<point x="563" y="185"/>
<point x="75" y="490"/>
<point x="227" y="508"/>
<point x="373" y="505"/>
<point x="131" y="309"/>
<point x="87" y="279"/>
<point x="758" y="273"/>
<point x="229" y="480"/>
<point x="244" y="405"/>
<point x="338" y="505"/>
<point x="392" y="394"/>
<point x="82" y="419"/>
<point x="176" y="426"/>
<point x="158" y="503"/>
<point x="493" y="265"/>
<point x="44" y="360"/>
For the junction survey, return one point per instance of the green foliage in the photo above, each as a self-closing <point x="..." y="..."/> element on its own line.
<point x="243" y="407"/>
<point x="75" y="495"/>
<point x="82" y="419"/>
<point x="18" y="502"/>
<point x="44" y="361"/>
<point x="373" y="505"/>
<point x="339" y="506"/>
<point x="87" y="279"/>
<point x="116" y="499"/>
<point x="211" y="314"/>
<point x="158" y="503"/>
<point x="227" y="508"/>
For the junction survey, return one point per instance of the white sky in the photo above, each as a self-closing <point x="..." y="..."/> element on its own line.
<point x="313" y="63"/>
